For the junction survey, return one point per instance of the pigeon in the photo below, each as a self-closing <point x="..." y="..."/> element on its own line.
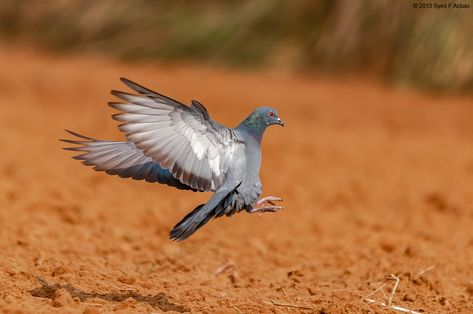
<point x="181" y="146"/>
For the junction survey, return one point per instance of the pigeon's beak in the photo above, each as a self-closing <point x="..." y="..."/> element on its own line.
<point x="280" y="122"/>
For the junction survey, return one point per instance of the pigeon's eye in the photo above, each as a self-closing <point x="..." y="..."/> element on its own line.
<point x="271" y="114"/>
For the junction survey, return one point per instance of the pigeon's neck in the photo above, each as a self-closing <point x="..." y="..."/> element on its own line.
<point x="253" y="127"/>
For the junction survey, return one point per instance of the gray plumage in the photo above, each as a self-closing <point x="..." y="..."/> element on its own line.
<point x="181" y="146"/>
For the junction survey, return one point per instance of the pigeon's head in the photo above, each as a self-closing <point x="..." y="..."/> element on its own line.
<point x="269" y="116"/>
<point x="260" y="119"/>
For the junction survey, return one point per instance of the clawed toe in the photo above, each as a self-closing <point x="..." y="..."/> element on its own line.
<point x="270" y="200"/>
<point x="270" y="208"/>
<point x="265" y="209"/>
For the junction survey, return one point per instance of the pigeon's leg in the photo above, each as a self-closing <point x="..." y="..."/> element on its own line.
<point x="269" y="199"/>
<point x="263" y="209"/>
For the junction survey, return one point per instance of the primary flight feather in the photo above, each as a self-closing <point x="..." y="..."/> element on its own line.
<point x="181" y="146"/>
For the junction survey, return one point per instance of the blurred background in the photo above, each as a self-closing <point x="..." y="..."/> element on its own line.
<point x="428" y="48"/>
<point x="375" y="164"/>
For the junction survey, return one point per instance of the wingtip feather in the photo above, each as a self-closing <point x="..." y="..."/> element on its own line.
<point x="72" y="142"/>
<point x="73" y="149"/>
<point x="125" y="80"/>
<point x="117" y="93"/>
<point x="114" y="104"/>
<point x="116" y="116"/>
<point x="79" y="135"/>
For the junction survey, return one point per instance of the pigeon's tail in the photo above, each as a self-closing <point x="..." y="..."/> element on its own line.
<point x="201" y="215"/>
<point x="191" y="223"/>
<point x="122" y="159"/>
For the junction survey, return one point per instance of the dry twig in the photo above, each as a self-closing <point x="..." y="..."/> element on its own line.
<point x="290" y="305"/>
<point x="374" y="292"/>
<point x="224" y="268"/>
<point x="236" y="308"/>
<point x="393" y="307"/>
<point x="424" y="271"/>
<point x="389" y="298"/>
<point x="393" y="291"/>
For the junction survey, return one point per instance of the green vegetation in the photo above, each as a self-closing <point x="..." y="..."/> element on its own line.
<point x="431" y="48"/>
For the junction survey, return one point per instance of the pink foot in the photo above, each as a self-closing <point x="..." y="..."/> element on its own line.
<point x="263" y="208"/>
<point x="269" y="199"/>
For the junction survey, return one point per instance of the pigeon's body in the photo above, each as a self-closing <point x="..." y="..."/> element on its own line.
<point x="250" y="188"/>
<point x="181" y="146"/>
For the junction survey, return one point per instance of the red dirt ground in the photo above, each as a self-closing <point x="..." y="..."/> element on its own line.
<point x="376" y="181"/>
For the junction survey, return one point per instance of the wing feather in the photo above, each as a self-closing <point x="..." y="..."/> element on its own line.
<point x="182" y="139"/>
<point x="123" y="159"/>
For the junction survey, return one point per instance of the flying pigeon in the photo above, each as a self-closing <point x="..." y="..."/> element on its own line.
<point x="181" y="146"/>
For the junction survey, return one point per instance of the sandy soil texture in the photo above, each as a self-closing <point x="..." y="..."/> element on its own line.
<point x="376" y="181"/>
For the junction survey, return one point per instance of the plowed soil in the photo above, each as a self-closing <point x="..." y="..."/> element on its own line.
<point x="376" y="181"/>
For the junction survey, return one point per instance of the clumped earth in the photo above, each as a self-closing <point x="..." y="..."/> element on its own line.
<point x="376" y="182"/>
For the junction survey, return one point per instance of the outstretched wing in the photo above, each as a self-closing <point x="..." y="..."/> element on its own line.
<point x="122" y="159"/>
<point x="183" y="139"/>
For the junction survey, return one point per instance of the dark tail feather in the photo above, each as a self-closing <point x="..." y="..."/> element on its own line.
<point x="201" y="215"/>
<point x="191" y="223"/>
